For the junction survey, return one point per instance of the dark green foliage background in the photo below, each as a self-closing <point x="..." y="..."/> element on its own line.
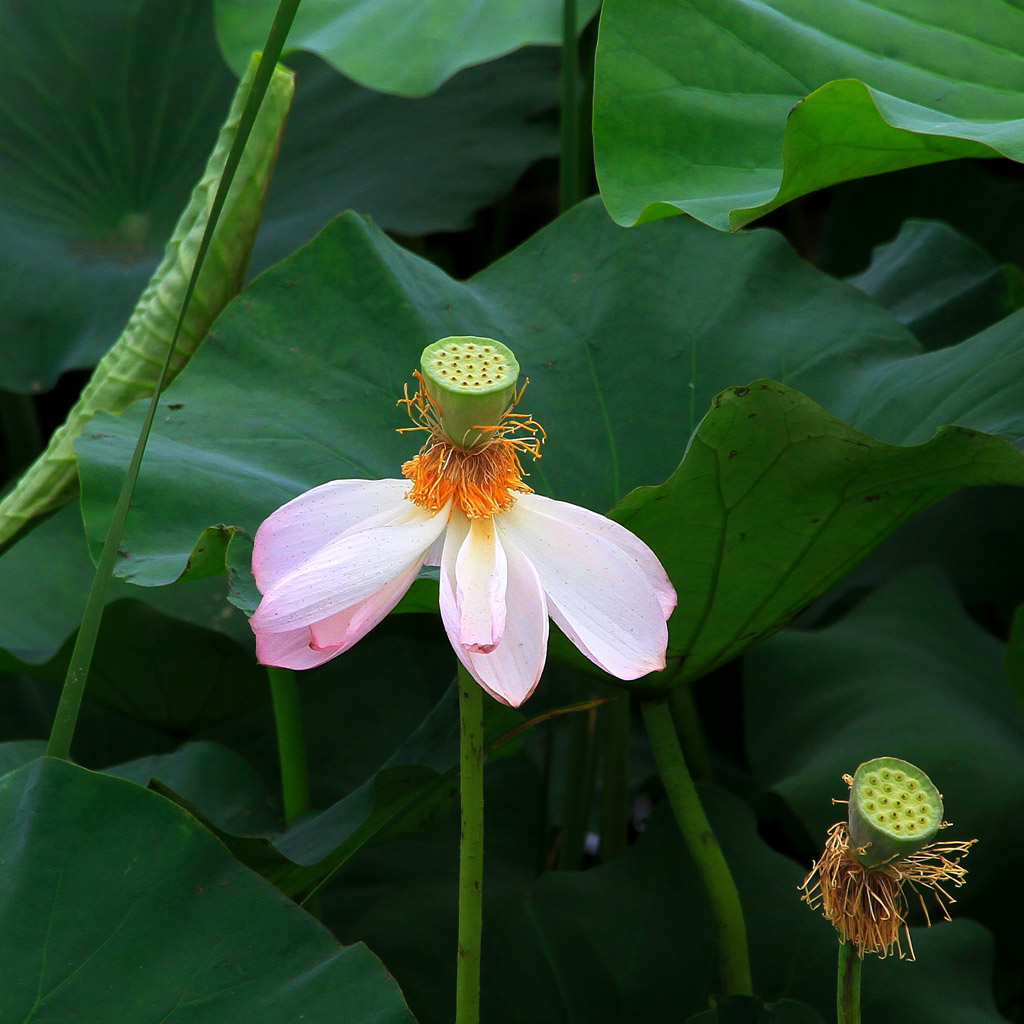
<point x="816" y="422"/>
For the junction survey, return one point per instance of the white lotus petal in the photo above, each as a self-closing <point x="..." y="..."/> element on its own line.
<point x="313" y="519"/>
<point x="646" y="560"/>
<point x="454" y="537"/>
<point x="348" y="570"/>
<point x="436" y="549"/>
<point x="480" y="579"/>
<point x="510" y="673"/>
<point x="340" y="631"/>
<point x="596" y="592"/>
<point x="290" y="649"/>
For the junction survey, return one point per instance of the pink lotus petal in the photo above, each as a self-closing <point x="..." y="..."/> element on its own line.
<point x="480" y="580"/>
<point x="312" y="520"/>
<point x="511" y="671"/>
<point x="646" y="560"/>
<point x="348" y="570"/>
<point x="340" y="631"/>
<point x="290" y="649"/>
<point x="597" y="593"/>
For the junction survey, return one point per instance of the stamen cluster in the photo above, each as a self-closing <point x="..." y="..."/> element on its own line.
<point x="868" y="906"/>
<point x="480" y="481"/>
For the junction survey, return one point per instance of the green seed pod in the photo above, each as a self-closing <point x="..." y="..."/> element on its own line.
<point x="894" y="810"/>
<point x="473" y="382"/>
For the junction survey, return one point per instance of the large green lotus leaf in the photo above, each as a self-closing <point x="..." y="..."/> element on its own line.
<point x="299" y="389"/>
<point x="229" y="791"/>
<point x="905" y="673"/>
<point x="411" y="791"/>
<point x="750" y="1010"/>
<point x="350" y="148"/>
<point x="626" y="336"/>
<point x="405" y="893"/>
<point x="634" y="939"/>
<point x="180" y="661"/>
<point x="985" y="523"/>
<point x="774" y="502"/>
<point x="103" y="881"/>
<point x="154" y="667"/>
<point x="950" y="981"/>
<point x="979" y="198"/>
<point x="102" y="736"/>
<point x="15" y="753"/>
<point x="1014" y="658"/>
<point x="725" y="110"/>
<point x="406" y="47"/>
<point x="940" y="284"/>
<point x="94" y="174"/>
<point x="132" y="367"/>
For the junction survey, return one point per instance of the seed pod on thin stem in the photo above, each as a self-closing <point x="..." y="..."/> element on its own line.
<point x="895" y="811"/>
<point x="886" y="844"/>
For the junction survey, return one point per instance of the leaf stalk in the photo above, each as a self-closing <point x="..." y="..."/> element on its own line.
<point x="733" y="956"/>
<point x="569" y="122"/>
<point x="73" y="690"/>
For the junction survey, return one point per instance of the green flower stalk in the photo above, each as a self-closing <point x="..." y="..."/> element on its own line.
<point x="471" y="849"/>
<point x="895" y="811"/>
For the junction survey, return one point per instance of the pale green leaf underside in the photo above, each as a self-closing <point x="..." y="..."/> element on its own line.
<point x="725" y="110"/>
<point x="407" y="47"/>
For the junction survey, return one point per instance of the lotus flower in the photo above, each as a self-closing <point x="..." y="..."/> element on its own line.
<point x="334" y="561"/>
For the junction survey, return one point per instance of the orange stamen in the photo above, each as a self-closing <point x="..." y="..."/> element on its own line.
<point x="480" y="481"/>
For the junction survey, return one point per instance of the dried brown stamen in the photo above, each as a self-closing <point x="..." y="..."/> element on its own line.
<point x="868" y="906"/>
